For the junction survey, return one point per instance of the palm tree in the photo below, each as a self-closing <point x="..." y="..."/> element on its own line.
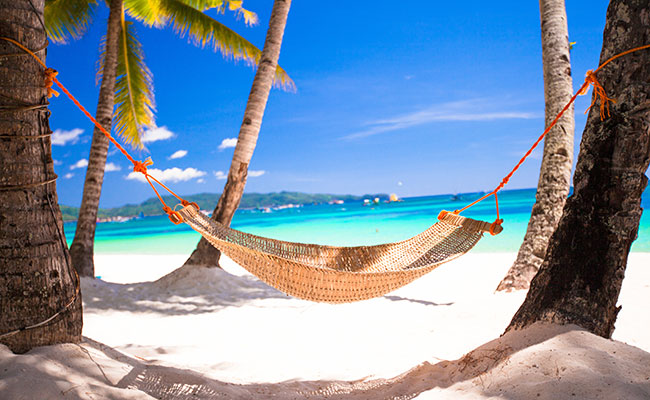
<point x="81" y="249"/>
<point x="127" y="82"/>
<point x="555" y="172"/>
<point x="581" y="276"/>
<point x="39" y="295"/>
<point x="205" y="254"/>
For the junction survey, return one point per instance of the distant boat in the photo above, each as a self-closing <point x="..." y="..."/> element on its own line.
<point x="117" y="218"/>
<point x="393" y="198"/>
<point x="366" y="202"/>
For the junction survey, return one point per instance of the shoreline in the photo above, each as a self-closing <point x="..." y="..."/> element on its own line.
<point x="119" y="267"/>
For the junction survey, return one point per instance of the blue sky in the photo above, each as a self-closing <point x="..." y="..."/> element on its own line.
<point x="415" y="98"/>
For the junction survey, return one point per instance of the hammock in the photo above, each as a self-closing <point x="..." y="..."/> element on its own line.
<point x="342" y="274"/>
<point x="326" y="273"/>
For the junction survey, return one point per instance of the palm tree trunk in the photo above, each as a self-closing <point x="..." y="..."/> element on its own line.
<point x="581" y="276"/>
<point x="555" y="172"/>
<point x="205" y="254"/>
<point x="82" y="248"/>
<point x="36" y="278"/>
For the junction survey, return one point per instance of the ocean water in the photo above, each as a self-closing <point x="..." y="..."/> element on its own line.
<point x="347" y="224"/>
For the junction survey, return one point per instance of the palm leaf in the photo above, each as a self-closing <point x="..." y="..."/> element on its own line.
<point x="67" y="18"/>
<point x="204" y="30"/>
<point x="134" y="98"/>
<point x="147" y="11"/>
<point x="233" y="5"/>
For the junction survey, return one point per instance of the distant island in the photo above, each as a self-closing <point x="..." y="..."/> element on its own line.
<point x="207" y="201"/>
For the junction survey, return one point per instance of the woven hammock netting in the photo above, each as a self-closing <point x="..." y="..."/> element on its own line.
<point x="341" y="274"/>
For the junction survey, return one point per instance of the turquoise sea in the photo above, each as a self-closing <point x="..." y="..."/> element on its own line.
<point x="345" y="224"/>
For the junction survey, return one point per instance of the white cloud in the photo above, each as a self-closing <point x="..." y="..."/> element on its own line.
<point x="200" y="180"/>
<point x="168" y="175"/>
<point x="254" y="174"/>
<point x="226" y="143"/>
<point x="178" y="154"/>
<point x="80" y="164"/>
<point x="61" y="137"/>
<point x="110" y="167"/>
<point x="220" y="175"/>
<point x="464" y="110"/>
<point x="251" y="174"/>
<point x="156" y="134"/>
<point x="56" y="162"/>
<point x="68" y="175"/>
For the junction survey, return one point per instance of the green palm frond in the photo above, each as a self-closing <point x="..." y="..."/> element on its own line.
<point x="134" y="97"/>
<point x="67" y="18"/>
<point x="203" y="5"/>
<point x="233" y="5"/>
<point x="249" y="17"/>
<point x="99" y="64"/>
<point x="147" y="11"/>
<point x="204" y="30"/>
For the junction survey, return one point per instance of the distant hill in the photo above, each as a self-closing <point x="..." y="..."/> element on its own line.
<point x="207" y="201"/>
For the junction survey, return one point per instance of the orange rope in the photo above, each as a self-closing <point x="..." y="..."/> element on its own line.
<point x="138" y="166"/>
<point x="505" y="180"/>
<point x="599" y="94"/>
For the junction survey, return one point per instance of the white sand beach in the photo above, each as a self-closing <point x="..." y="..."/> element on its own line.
<point x="206" y="333"/>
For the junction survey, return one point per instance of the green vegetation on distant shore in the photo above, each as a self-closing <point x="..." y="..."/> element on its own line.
<point x="207" y="201"/>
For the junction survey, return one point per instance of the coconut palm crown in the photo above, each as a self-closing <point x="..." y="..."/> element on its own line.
<point x="126" y="98"/>
<point x="134" y="95"/>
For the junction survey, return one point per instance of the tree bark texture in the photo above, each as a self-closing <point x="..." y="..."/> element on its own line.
<point x="555" y="172"/>
<point x="82" y="248"/>
<point x="581" y="276"/>
<point x="36" y="276"/>
<point x="205" y="254"/>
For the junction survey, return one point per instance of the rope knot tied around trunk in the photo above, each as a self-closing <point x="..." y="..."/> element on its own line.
<point x="599" y="94"/>
<point x="50" y="76"/>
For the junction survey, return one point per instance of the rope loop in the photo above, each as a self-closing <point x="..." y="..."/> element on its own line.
<point x="494" y="225"/>
<point x="599" y="94"/>
<point x="174" y="216"/>
<point x="186" y="203"/>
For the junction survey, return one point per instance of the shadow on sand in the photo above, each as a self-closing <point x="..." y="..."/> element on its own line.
<point x="187" y="290"/>
<point x="173" y="383"/>
<point x="424" y="302"/>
